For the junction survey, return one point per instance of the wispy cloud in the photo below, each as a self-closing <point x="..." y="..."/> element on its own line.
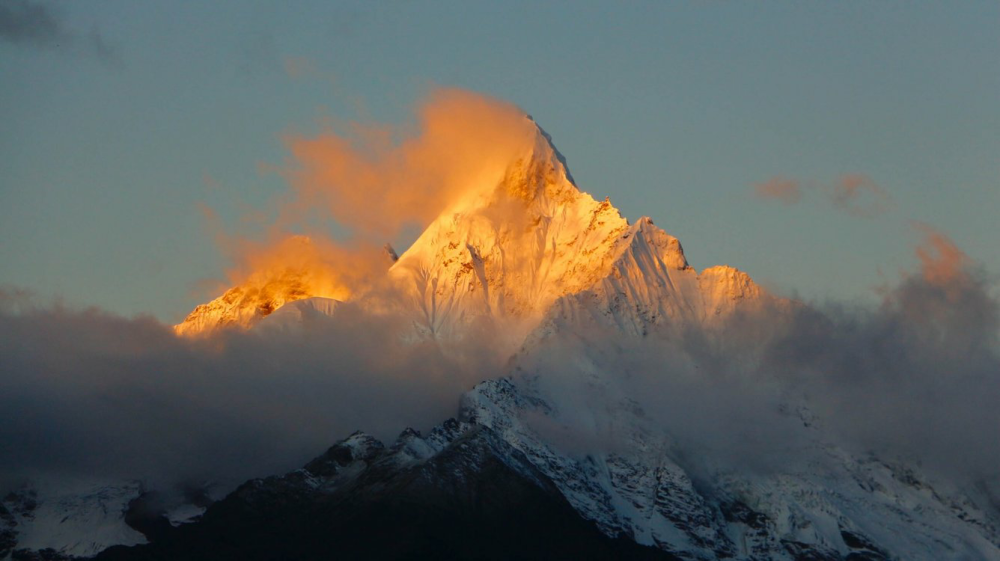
<point x="853" y="193"/>
<point x="916" y="377"/>
<point x="299" y="68"/>
<point x="86" y="392"/>
<point x="780" y="189"/>
<point x="384" y="178"/>
<point x="858" y="195"/>
<point x="35" y="24"/>
<point x="23" y="21"/>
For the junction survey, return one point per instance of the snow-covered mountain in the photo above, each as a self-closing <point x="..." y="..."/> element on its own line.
<point x="510" y="249"/>
<point x="245" y="305"/>
<point x="533" y="241"/>
<point x="574" y="291"/>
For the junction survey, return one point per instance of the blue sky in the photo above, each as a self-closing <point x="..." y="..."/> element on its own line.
<point x="119" y="119"/>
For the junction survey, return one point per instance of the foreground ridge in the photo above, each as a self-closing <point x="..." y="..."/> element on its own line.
<point x="460" y="493"/>
<point x="489" y="486"/>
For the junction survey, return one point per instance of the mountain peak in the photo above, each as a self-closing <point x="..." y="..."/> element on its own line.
<point x="536" y="175"/>
<point x="247" y="303"/>
<point x="519" y="238"/>
<point x="294" y="270"/>
<point x="513" y="248"/>
<point x="669" y="247"/>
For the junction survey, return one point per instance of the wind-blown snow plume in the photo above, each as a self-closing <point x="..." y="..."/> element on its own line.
<point x="379" y="179"/>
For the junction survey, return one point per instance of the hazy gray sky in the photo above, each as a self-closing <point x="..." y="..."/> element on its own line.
<point x="796" y="141"/>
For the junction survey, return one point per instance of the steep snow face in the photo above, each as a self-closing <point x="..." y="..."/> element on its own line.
<point x="513" y="250"/>
<point x="650" y="283"/>
<point x="509" y="248"/>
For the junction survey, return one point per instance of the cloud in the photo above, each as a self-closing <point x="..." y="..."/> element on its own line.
<point x="854" y="193"/>
<point x="27" y="22"/>
<point x="299" y="68"/>
<point x="858" y="195"/>
<point x="943" y="264"/>
<point x="779" y="189"/>
<point x="378" y="179"/>
<point x="102" y="48"/>
<point x="915" y="378"/>
<point x="86" y="393"/>
<point x="24" y="21"/>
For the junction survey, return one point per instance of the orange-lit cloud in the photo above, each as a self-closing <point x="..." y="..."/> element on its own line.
<point x="379" y="179"/>
<point x="942" y="264"/>
<point x="779" y="189"/>
<point x="270" y="274"/>
<point x="315" y="268"/>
